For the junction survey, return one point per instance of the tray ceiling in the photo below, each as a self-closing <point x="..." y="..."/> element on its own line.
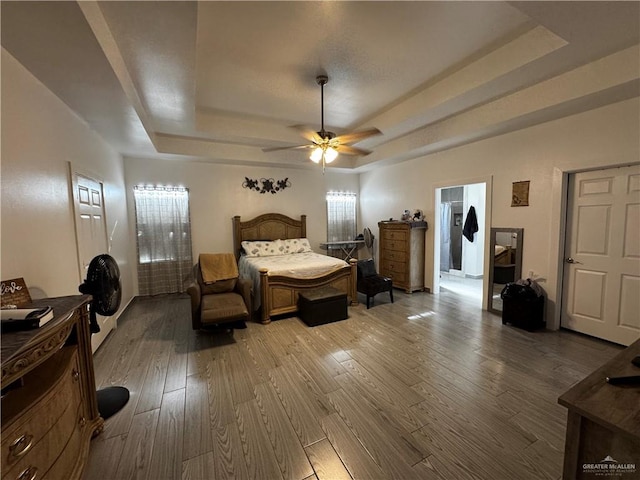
<point x="219" y="81"/>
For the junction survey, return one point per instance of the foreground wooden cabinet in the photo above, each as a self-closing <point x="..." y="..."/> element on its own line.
<point x="603" y="424"/>
<point x="402" y="253"/>
<point x="49" y="406"/>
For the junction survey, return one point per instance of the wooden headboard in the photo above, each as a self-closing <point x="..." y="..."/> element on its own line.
<point x="269" y="226"/>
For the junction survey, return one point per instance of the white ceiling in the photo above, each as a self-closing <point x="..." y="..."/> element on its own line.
<point x="219" y="81"/>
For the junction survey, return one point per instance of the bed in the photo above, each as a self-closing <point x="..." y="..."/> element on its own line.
<point x="503" y="255"/>
<point x="504" y="267"/>
<point x="276" y="291"/>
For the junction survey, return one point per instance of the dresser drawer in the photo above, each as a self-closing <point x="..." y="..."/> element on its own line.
<point x="36" y="438"/>
<point x="394" y="256"/>
<point x="68" y="459"/>
<point x="399" y="235"/>
<point x="398" y="279"/>
<point x="390" y="266"/>
<point x="395" y="245"/>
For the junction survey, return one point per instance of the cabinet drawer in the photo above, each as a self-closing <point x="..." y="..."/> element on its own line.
<point x="397" y="278"/>
<point x="394" y="256"/>
<point x="28" y="441"/>
<point x="399" y="235"/>
<point x="395" y="245"/>
<point x="68" y="460"/>
<point x="394" y="267"/>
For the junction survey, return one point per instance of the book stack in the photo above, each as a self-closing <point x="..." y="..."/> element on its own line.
<point x="16" y="319"/>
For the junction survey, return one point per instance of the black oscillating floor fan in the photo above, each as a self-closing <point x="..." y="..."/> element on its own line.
<point x="103" y="284"/>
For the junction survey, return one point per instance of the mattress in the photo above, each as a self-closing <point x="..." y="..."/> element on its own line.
<point x="296" y="265"/>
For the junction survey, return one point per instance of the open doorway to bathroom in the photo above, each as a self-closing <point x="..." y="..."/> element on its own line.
<point x="460" y="240"/>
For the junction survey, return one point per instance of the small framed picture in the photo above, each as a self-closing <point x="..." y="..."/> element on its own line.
<point x="520" y="194"/>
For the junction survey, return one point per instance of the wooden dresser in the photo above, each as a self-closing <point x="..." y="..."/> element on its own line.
<point x="402" y="253"/>
<point x="49" y="406"/>
<point x="603" y="423"/>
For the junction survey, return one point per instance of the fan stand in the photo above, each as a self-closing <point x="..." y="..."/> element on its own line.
<point x="111" y="400"/>
<point x="104" y="272"/>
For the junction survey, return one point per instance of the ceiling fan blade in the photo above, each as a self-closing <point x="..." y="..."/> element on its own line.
<point x="275" y="149"/>
<point x="308" y="133"/>
<point x="349" y="150"/>
<point x="356" y="136"/>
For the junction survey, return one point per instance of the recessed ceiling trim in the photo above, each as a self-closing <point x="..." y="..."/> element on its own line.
<point x="526" y="48"/>
<point x="98" y="24"/>
<point x="615" y="70"/>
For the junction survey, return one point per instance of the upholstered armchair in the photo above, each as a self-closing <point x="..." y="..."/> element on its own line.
<point x="370" y="283"/>
<point x="219" y="298"/>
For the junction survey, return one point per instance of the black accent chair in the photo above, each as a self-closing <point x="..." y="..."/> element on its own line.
<point x="370" y="283"/>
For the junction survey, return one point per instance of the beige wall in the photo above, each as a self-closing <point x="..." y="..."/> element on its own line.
<point x="602" y="137"/>
<point x="40" y="136"/>
<point x="216" y="195"/>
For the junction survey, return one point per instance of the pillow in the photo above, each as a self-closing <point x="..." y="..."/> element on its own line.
<point x="262" y="248"/>
<point x="296" y="245"/>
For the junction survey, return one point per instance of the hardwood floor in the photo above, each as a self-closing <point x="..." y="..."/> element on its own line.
<point x="427" y="388"/>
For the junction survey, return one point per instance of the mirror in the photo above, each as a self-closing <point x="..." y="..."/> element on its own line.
<point x="505" y="264"/>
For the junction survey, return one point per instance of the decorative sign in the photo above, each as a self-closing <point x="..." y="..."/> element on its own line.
<point x="520" y="194"/>
<point x="268" y="185"/>
<point x="14" y="292"/>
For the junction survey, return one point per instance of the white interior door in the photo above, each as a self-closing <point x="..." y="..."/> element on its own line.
<point x="601" y="291"/>
<point x="91" y="234"/>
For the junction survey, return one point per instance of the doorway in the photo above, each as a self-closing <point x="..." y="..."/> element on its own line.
<point x="459" y="250"/>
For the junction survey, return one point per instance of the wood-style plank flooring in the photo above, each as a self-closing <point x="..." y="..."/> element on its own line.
<point x="429" y="387"/>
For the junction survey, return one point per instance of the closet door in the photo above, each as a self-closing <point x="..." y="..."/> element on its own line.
<point x="601" y="291"/>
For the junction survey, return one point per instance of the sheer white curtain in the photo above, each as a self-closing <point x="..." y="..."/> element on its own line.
<point x="341" y="216"/>
<point x="164" y="239"/>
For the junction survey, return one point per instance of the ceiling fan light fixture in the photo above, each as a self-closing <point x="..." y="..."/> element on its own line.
<point x="325" y="146"/>
<point x="316" y="155"/>
<point x="330" y="155"/>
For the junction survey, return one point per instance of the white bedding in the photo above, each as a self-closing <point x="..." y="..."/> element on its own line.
<point x="297" y="265"/>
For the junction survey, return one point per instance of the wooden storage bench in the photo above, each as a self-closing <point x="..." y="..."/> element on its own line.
<point x="322" y="305"/>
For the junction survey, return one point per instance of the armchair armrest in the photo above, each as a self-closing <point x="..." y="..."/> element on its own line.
<point x="196" y="296"/>
<point x="244" y="287"/>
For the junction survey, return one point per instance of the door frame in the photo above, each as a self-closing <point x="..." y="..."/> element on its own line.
<point x="560" y="196"/>
<point x="435" y="267"/>
<point x="111" y="322"/>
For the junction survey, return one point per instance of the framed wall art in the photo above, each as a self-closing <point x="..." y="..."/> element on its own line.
<point x="520" y="194"/>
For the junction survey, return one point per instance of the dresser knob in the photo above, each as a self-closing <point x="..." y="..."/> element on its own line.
<point x="82" y="422"/>
<point x="30" y="473"/>
<point x="21" y="445"/>
<point x="75" y="374"/>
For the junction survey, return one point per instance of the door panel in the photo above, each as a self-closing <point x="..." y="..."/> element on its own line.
<point x="601" y="291"/>
<point x="91" y="234"/>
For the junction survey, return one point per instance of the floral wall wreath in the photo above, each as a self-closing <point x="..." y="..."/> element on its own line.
<point x="268" y="185"/>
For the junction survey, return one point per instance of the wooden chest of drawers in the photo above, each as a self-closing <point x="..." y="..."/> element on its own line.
<point x="49" y="407"/>
<point x="402" y="247"/>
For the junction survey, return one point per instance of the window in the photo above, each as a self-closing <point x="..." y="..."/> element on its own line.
<point x="341" y="216"/>
<point x="163" y="239"/>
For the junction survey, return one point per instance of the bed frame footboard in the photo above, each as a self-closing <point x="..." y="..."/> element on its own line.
<point x="279" y="294"/>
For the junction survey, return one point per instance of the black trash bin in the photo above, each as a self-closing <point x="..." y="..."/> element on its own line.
<point x="523" y="305"/>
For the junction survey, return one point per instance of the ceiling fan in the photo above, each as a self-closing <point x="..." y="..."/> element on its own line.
<point x="326" y="145"/>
